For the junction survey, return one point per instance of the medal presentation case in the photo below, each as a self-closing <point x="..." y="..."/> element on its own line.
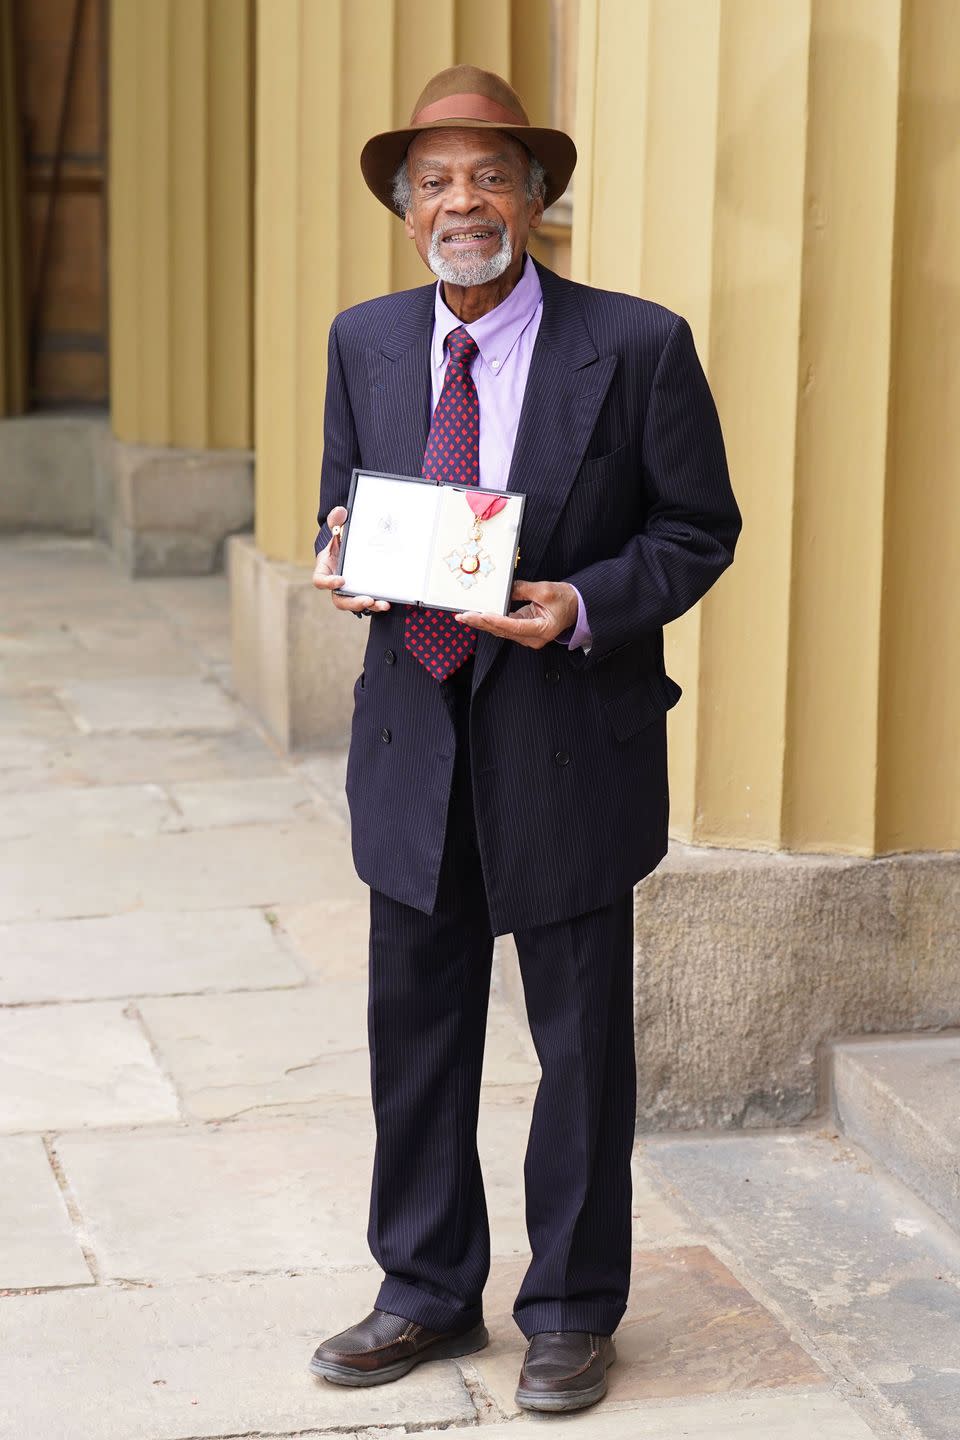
<point x="417" y="542"/>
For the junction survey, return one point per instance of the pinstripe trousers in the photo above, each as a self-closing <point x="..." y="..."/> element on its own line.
<point x="429" y="982"/>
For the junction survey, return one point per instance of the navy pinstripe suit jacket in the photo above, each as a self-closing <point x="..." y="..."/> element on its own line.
<point x="620" y="455"/>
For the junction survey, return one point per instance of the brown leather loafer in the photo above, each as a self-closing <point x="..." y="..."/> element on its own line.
<point x="565" y="1370"/>
<point x="383" y="1347"/>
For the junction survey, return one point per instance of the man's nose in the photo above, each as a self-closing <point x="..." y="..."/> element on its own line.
<point x="462" y="197"/>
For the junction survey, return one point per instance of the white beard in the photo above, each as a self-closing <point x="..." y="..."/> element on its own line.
<point x="469" y="271"/>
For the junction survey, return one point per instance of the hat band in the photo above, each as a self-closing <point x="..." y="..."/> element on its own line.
<point x="467" y="107"/>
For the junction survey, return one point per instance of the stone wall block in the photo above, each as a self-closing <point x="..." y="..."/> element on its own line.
<point x="747" y="964"/>
<point x="48" y="467"/>
<point x="173" y="508"/>
<point x="295" y="658"/>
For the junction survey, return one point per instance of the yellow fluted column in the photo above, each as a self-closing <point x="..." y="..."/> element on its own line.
<point x="731" y="170"/>
<point x="181" y="294"/>
<point x="919" y="783"/>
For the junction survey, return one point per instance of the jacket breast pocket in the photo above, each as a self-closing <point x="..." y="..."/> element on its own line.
<point x="633" y="702"/>
<point x="602" y="467"/>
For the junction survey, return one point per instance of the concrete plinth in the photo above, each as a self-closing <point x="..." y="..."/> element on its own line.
<point x="164" y="511"/>
<point x="51" y="471"/>
<point x="173" y="509"/>
<point x="746" y="964"/>
<point x="295" y="658"/>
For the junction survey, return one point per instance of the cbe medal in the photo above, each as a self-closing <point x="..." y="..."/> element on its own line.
<point x="470" y="561"/>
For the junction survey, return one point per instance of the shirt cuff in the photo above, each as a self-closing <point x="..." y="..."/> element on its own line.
<point x="580" y="635"/>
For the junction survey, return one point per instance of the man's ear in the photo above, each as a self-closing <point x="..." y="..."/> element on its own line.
<point x="536" y="214"/>
<point x="408" y="225"/>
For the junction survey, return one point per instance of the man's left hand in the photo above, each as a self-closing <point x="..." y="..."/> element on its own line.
<point x="551" y="608"/>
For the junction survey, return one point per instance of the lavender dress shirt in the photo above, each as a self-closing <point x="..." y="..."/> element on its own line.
<point x="505" y="337"/>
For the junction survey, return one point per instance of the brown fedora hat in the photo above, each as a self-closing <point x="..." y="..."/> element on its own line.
<point x="467" y="98"/>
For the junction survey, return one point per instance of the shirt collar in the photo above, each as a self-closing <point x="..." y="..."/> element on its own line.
<point x="497" y="332"/>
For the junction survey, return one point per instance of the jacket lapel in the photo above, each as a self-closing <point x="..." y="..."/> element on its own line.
<point x="566" y="387"/>
<point x="400" y="387"/>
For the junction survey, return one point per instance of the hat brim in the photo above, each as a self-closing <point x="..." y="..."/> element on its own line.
<point x="381" y="156"/>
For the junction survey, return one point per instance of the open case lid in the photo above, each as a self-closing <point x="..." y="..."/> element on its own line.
<point x="415" y="542"/>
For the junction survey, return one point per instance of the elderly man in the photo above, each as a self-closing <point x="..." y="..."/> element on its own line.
<point x="508" y="773"/>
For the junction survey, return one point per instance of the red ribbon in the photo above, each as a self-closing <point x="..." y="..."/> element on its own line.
<point x="483" y="508"/>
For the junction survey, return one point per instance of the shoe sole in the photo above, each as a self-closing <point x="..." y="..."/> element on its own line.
<point x="554" y="1402"/>
<point x="466" y="1344"/>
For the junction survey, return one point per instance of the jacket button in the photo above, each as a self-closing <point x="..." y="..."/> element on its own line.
<point x="552" y="677"/>
<point x="390" y="658"/>
<point x="562" y="758"/>
<point x="385" y="735"/>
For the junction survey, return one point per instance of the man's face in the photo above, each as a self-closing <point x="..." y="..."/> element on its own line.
<point x="469" y="214"/>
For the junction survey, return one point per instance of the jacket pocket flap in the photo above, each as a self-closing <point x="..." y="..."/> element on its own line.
<point x="637" y="701"/>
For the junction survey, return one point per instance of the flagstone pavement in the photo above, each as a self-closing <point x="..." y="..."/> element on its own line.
<point x="185" y="1128"/>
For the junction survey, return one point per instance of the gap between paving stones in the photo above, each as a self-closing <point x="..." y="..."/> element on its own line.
<point x="73" y="1211"/>
<point x="122" y="996"/>
<point x="132" y="1012"/>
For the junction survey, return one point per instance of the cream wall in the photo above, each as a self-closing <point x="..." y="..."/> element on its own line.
<point x="808" y="227"/>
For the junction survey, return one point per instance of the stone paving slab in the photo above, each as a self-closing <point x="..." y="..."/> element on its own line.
<point x="655" y="1220"/>
<point x="49" y="877"/>
<point x="28" y="594"/>
<point x="330" y="937"/>
<point x="848" y="1252"/>
<point x="67" y="1066"/>
<point x="198" y="608"/>
<point x="326" y="771"/>
<point x="292" y="1049"/>
<point x="690" y="1328"/>
<point x="31" y="762"/>
<point x="192" y="602"/>
<point x="32" y="665"/>
<point x="148" y="702"/>
<point x="785" y="1415"/>
<point x="127" y="638"/>
<point x="86" y="810"/>
<point x="173" y="1204"/>
<point x="31" y="713"/>
<point x="205" y="804"/>
<point x="148" y="952"/>
<point x="37" y="1243"/>
<point x="42" y="637"/>
<point x="201" y="1359"/>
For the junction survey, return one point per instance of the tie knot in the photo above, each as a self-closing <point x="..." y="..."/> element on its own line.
<point x="461" y="347"/>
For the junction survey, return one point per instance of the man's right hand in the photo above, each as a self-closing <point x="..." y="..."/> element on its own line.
<point x="325" y="577"/>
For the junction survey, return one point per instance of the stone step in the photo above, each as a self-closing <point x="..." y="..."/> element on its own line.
<point x="862" y="1272"/>
<point x="899" y="1097"/>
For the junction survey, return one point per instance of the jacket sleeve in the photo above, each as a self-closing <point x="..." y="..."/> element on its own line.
<point x="341" y="448"/>
<point x="692" y="523"/>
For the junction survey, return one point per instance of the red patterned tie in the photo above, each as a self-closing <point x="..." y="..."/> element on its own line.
<point x="452" y="454"/>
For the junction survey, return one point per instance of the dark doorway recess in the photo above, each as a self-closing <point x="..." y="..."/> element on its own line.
<point x="62" y="71"/>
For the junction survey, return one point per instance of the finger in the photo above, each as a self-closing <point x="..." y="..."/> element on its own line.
<point x="527" y="589"/>
<point x="509" y="626"/>
<point x="357" y="603"/>
<point x="326" y="580"/>
<point x="337" y="515"/>
<point x="353" y="602"/>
